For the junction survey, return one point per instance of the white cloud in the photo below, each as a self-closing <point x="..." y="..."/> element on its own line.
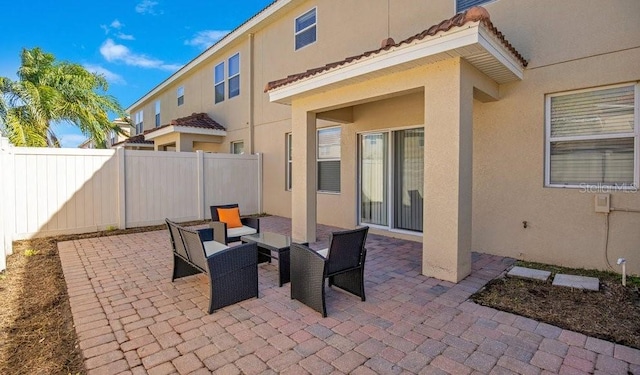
<point x="71" y="140"/>
<point x="113" y="52"/>
<point x="147" y="7"/>
<point x="204" y="39"/>
<point x="116" y="24"/>
<point x="125" y="36"/>
<point x="109" y="75"/>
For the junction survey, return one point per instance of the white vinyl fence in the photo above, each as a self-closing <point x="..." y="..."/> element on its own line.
<point x="47" y="192"/>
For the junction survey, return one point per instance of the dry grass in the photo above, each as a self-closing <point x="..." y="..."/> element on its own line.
<point x="612" y="314"/>
<point x="36" y="326"/>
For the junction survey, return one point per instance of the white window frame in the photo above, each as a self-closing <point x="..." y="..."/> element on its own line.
<point x="179" y="95"/>
<point x="229" y="76"/>
<point x="296" y="33"/>
<point x="479" y="3"/>
<point x="157" y="110"/>
<point x="319" y="160"/>
<point x="139" y="117"/>
<point x="217" y="82"/>
<point x="233" y="147"/>
<point x="635" y="134"/>
<point x="288" y="161"/>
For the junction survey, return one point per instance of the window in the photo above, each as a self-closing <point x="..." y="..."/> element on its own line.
<point x="329" y="160"/>
<point x="305" y="29"/>
<point x="218" y="81"/>
<point x="113" y="138"/>
<point x="289" y="157"/>
<point x="462" y="5"/>
<point x="139" y="122"/>
<point x="237" y="147"/>
<point x="591" y="137"/>
<point x="157" y="113"/>
<point x="180" y="94"/>
<point x="234" y="75"/>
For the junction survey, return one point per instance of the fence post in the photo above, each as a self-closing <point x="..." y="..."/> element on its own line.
<point x="200" y="183"/>
<point x="259" y="183"/>
<point x="8" y="203"/>
<point x="122" y="195"/>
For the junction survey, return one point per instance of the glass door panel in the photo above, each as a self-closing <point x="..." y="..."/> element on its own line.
<point x="408" y="179"/>
<point x="374" y="207"/>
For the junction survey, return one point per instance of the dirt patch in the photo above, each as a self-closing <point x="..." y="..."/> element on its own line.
<point x="36" y="325"/>
<point x="612" y="314"/>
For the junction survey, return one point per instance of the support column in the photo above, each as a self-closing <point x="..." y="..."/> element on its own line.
<point x="303" y="204"/>
<point x="446" y="252"/>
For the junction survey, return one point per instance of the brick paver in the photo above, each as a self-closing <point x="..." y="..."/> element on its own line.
<point x="132" y="319"/>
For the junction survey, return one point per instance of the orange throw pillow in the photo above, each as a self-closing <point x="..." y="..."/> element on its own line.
<point x="231" y="216"/>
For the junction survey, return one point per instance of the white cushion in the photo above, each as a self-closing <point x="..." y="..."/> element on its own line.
<point x="323" y="252"/>
<point x="212" y="247"/>
<point x="241" y="231"/>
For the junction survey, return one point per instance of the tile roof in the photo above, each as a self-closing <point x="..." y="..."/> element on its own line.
<point x="474" y="14"/>
<point x="196" y="120"/>
<point x="136" y="139"/>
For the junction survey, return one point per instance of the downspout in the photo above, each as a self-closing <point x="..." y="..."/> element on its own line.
<point x="251" y="89"/>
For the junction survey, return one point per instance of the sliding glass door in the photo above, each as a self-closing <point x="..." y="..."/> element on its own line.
<point x="391" y="179"/>
<point x="374" y="179"/>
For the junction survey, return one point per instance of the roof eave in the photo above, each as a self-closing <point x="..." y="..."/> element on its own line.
<point x="184" y="130"/>
<point x="247" y="27"/>
<point x="472" y="41"/>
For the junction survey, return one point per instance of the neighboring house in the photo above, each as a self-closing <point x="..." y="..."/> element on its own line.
<point x="114" y="138"/>
<point x="490" y="130"/>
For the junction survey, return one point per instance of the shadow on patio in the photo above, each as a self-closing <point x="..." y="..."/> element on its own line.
<point x="130" y="318"/>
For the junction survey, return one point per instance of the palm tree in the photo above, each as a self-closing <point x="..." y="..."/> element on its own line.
<point x="49" y="91"/>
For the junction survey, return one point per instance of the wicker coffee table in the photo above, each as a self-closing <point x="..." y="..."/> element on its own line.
<point x="273" y="246"/>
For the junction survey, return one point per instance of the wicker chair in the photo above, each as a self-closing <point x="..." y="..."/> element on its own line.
<point x="342" y="263"/>
<point x="250" y="225"/>
<point x="232" y="271"/>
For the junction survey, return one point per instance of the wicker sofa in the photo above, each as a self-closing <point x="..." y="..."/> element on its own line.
<point x="226" y="235"/>
<point x="232" y="271"/>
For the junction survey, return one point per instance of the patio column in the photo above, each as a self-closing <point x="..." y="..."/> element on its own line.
<point x="303" y="197"/>
<point x="448" y="153"/>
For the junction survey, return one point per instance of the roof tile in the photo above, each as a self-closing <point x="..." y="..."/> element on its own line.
<point x="475" y="14"/>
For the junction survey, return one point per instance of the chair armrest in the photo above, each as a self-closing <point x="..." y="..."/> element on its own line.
<point x="206" y="234"/>
<point x="307" y="277"/>
<point x="219" y="231"/>
<point x="232" y="259"/>
<point x="252" y="222"/>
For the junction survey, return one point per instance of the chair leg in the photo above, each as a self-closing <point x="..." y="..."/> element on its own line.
<point x="181" y="268"/>
<point x="351" y="281"/>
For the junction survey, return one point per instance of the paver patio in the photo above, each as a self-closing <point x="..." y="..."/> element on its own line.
<point x="131" y="319"/>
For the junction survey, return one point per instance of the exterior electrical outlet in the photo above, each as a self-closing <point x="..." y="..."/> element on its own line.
<point x="603" y="203"/>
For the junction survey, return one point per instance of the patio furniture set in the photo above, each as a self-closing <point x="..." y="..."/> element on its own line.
<point x="232" y="268"/>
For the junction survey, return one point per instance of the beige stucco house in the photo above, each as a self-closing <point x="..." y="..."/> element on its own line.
<point x="508" y="129"/>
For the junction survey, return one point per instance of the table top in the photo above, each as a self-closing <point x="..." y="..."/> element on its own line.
<point x="273" y="241"/>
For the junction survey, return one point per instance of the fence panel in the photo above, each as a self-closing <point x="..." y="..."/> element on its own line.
<point x="232" y="179"/>
<point x="160" y="185"/>
<point x="63" y="191"/>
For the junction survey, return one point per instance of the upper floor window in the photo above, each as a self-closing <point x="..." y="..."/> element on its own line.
<point x="289" y="160"/>
<point x="329" y="160"/>
<point x="591" y="138"/>
<point x="305" y="29"/>
<point x="237" y="147"/>
<point x="462" y="5"/>
<point x="113" y="138"/>
<point x="180" y="94"/>
<point x="218" y="81"/>
<point x="234" y="75"/>
<point x="139" y="122"/>
<point x="157" y="113"/>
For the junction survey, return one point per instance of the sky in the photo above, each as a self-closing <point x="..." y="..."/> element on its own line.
<point x="136" y="44"/>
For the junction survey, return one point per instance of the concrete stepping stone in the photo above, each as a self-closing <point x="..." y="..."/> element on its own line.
<point x="579" y="282"/>
<point x="529" y="273"/>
